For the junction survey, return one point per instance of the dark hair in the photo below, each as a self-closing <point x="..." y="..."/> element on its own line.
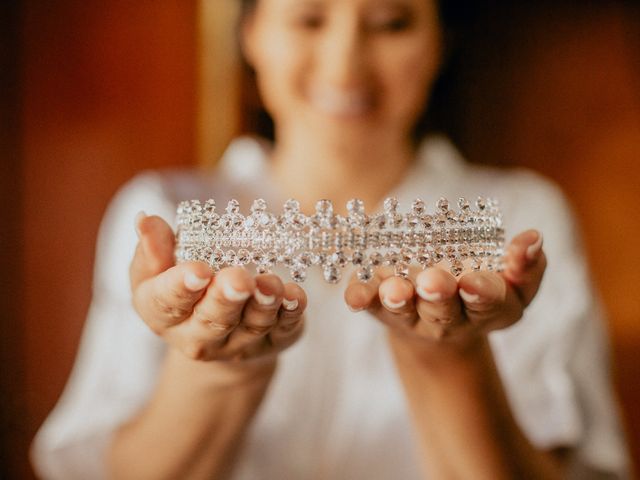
<point x="456" y="16"/>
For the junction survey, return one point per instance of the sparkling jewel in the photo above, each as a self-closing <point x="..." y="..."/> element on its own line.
<point x="466" y="238"/>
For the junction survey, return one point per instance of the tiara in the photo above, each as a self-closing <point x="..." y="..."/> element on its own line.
<point x="466" y="238"/>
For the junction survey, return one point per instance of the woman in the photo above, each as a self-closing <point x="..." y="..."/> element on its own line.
<point x="220" y="382"/>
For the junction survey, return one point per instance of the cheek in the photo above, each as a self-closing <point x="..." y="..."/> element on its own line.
<point x="409" y="73"/>
<point x="280" y="72"/>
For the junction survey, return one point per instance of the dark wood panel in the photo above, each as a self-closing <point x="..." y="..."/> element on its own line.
<point x="108" y="91"/>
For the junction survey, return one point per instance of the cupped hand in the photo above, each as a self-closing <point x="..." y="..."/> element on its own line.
<point x="434" y="308"/>
<point x="229" y="316"/>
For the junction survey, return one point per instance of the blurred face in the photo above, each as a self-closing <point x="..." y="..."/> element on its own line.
<point x="344" y="66"/>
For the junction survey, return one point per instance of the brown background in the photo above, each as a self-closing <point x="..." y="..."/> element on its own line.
<point x="92" y="92"/>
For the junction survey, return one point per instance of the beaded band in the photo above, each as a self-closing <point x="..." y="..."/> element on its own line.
<point x="467" y="238"/>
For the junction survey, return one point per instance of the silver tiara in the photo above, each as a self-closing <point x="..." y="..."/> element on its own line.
<point x="466" y="238"/>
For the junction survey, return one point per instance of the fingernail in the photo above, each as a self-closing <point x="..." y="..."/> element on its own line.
<point x="290" y="305"/>
<point x="195" y="283"/>
<point x="136" y="221"/>
<point x="428" y="296"/>
<point x="469" y="297"/>
<point x="533" y="250"/>
<point x="393" y="305"/>
<point x="264" y="299"/>
<point x="355" y="309"/>
<point x="234" y="295"/>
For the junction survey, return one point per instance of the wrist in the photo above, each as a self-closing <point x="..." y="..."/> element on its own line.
<point x="438" y="356"/>
<point x="224" y="374"/>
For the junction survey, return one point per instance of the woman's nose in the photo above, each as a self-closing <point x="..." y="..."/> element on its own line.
<point x="342" y="59"/>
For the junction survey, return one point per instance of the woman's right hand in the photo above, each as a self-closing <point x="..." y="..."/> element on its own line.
<point x="231" y="318"/>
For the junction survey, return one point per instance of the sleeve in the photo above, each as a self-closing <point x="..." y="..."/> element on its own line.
<point x="555" y="361"/>
<point x="118" y="359"/>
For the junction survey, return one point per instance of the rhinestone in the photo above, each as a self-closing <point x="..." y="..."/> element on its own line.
<point x="456" y="268"/>
<point x="233" y="207"/>
<point x="298" y="221"/>
<point x="396" y="220"/>
<point x="218" y="256"/>
<point x="257" y="257"/>
<point x="463" y="204"/>
<point x="304" y="259"/>
<point x="424" y="258"/>
<point x="298" y="273"/>
<point x="390" y="205"/>
<point x="324" y="208"/>
<point x="331" y="273"/>
<point x="318" y="259"/>
<point x="392" y="258"/>
<point x="259" y="206"/>
<point x="443" y="204"/>
<point x="265" y="219"/>
<point x="243" y="256"/>
<point x="261" y="269"/>
<point x="364" y="273"/>
<point x="376" y="259"/>
<point x="183" y="207"/>
<point x="195" y="206"/>
<point x="418" y="207"/>
<point x="355" y="206"/>
<point x="270" y="258"/>
<point x="229" y="257"/>
<point x="291" y="206"/>
<point x="401" y="269"/>
<point x="209" y="207"/>
<point x="357" y="258"/>
<point x="338" y="258"/>
<point x="413" y="221"/>
<point x="481" y="203"/>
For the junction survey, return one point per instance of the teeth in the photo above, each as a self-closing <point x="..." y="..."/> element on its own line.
<point x="341" y="103"/>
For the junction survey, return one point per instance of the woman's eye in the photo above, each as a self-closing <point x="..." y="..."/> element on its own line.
<point x="392" y="25"/>
<point x="309" y="22"/>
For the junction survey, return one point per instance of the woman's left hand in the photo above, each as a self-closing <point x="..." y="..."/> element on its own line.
<point x="433" y="308"/>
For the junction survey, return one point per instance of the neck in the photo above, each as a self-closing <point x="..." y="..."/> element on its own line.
<point x="309" y="168"/>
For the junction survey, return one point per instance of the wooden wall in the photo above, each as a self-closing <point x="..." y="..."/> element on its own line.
<point x="557" y="89"/>
<point x="109" y="88"/>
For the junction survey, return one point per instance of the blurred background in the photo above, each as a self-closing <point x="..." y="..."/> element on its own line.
<point x="92" y="92"/>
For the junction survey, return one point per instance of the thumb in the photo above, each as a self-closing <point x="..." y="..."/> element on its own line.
<point x="155" y="250"/>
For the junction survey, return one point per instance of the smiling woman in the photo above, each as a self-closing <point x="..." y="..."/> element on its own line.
<point x="189" y="373"/>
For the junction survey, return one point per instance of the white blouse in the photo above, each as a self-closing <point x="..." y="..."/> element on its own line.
<point x="335" y="408"/>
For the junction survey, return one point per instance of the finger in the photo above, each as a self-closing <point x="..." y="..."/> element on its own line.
<point x="489" y="301"/>
<point x="361" y="296"/>
<point x="438" y="302"/>
<point x="154" y="252"/>
<point x="169" y="297"/>
<point x="397" y="303"/>
<point x="290" y="322"/>
<point x="260" y="313"/>
<point x="525" y="263"/>
<point x="294" y="301"/>
<point x="221" y="307"/>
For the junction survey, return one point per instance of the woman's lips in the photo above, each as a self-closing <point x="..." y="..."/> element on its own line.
<point x="341" y="103"/>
